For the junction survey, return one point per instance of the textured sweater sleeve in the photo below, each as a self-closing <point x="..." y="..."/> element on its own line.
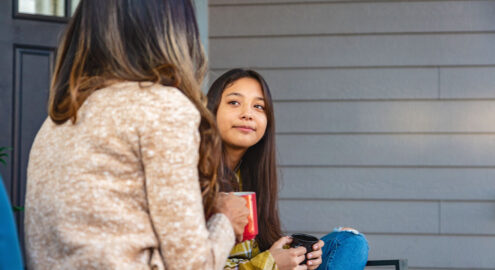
<point x="169" y="143"/>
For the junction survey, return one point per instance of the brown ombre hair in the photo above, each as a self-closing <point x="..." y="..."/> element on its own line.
<point x="258" y="168"/>
<point x="134" y="40"/>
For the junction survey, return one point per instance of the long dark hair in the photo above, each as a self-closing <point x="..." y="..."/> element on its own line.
<point x="258" y="167"/>
<point x="134" y="40"/>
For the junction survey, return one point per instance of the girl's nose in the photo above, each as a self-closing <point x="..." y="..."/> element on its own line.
<point x="247" y="114"/>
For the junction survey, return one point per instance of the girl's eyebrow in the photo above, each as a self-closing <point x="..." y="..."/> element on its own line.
<point x="241" y="95"/>
<point x="235" y="94"/>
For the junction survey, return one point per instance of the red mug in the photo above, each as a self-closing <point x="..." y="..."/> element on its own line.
<point x="251" y="229"/>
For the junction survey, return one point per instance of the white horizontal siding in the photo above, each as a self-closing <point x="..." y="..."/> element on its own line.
<point x="213" y="3"/>
<point x="467" y="83"/>
<point x="456" y="217"/>
<point x="387" y="150"/>
<point x="355" y="183"/>
<point x="319" y="18"/>
<point x="404" y="217"/>
<point x="426" y="251"/>
<point x="385" y="113"/>
<point x="368" y="216"/>
<point x="386" y="116"/>
<point x="354" y="51"/>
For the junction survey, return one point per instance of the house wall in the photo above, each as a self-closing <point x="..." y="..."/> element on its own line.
<point x="385" y="118"/>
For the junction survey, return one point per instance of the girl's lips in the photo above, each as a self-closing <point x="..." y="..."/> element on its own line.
<point x="244" y="128"/>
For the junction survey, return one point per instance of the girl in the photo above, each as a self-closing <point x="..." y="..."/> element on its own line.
<point x="120" y="173"/>
<point x="242" y="103"/>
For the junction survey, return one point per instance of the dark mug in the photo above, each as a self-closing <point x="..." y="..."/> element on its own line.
<point x="303" y="240"/>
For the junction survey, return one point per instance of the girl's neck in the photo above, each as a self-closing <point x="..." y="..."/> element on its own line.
<point x="233" y="156"/>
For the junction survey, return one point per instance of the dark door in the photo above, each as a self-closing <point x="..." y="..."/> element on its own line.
<point x="29" y="31"/>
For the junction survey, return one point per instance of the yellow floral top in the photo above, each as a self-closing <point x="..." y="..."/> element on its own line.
<point x="246" y="255"/>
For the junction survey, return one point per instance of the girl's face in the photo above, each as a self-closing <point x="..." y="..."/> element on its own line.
<point x="241" y="116"/>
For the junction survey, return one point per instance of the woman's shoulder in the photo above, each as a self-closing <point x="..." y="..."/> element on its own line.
<point x="142" y="92"/>
<point x="141" y="99"/>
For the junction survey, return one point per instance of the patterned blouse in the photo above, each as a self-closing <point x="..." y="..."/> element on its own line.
<point x="119" y="189"/>
<point x="247" y="256"/>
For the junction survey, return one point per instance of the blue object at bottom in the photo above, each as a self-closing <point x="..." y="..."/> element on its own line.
<point x="344" y="250"/>
<point x="10" y="253"/>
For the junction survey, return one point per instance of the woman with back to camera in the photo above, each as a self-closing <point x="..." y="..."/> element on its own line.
<point x="242" y="103"/>
<point x="123" y="172"/>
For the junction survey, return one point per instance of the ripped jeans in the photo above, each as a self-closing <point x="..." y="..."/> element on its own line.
<point x="344" y="250"/>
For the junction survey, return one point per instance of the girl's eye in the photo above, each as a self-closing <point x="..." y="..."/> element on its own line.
<point x="233" y="102"/>
<point x="259" y="107"/>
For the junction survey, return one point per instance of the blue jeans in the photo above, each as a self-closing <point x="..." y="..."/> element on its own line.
<point x="344" y="250"/>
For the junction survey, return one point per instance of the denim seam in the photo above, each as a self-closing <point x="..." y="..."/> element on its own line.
<point x="331" y="256"/>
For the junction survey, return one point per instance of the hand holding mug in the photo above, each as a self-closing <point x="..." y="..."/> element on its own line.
<point x="314" y="258"/>
<point x="312" y="246"/>
<point x="288" y="259"/>
<point x="235" y="209"/>
<point x="251" y="229"/>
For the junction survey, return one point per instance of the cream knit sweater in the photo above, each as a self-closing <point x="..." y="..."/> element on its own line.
<point x="119" y="189"/>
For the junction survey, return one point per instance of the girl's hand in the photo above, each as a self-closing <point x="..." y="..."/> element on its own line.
<point x="314" y="257"/>
<point x="288" y="259"/>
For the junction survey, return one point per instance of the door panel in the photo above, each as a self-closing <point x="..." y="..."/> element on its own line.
<point x="27" y="47"/>
<point x="30" y="99"/>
